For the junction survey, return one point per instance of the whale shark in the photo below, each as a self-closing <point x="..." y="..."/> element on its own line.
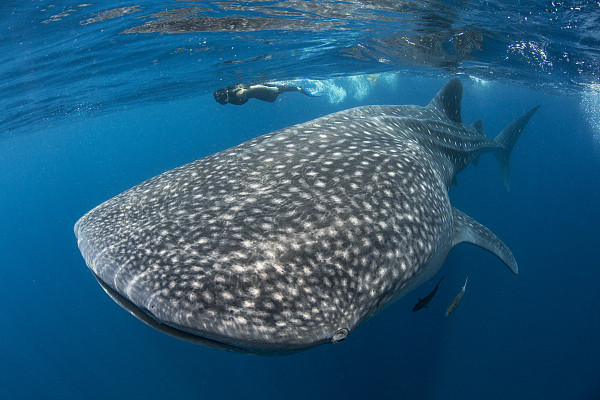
<point x="294" y="238"/>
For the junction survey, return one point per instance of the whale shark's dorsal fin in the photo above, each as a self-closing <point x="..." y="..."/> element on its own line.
<point x="478" y="126"/>
<point x="448" y="100"/>
<point x="466" y="229"/>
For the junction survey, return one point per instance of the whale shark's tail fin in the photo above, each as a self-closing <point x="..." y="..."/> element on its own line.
<point x="507" y="139"/>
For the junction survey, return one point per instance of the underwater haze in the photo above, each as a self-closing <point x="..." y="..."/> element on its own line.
<point x="98" y="97"/>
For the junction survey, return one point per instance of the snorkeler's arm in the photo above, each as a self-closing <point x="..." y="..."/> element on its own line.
<point x="239" y="96"/>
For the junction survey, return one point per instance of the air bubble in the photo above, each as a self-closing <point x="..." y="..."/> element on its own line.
<point x="590" y="104"/>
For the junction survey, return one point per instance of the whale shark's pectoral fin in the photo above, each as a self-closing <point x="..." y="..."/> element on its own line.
<point x="466" y="229"/>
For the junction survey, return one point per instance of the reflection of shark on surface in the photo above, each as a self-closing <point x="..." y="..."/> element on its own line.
<point x="455" y="302"/>
<point x="294" y="238"/>
<point x="424" y="302"/>
<point x="441" y="48"/>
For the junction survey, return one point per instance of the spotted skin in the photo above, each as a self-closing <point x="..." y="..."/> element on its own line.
<point x="292" y="239"/>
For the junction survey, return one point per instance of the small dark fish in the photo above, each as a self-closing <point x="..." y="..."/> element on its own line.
<point x="423" y="303"/>
<point x="457" y="299"/>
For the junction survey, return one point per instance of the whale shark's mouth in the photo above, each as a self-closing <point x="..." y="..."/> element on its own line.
<point x="186" y="334"/>
<point x="147" y="318"/>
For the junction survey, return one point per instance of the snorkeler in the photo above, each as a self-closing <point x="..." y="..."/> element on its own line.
<point x="239" y="94"/>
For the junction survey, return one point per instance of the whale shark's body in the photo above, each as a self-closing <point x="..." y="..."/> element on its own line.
<point x="294" y="238"/>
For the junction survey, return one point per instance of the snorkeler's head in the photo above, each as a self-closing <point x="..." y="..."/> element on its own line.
<point x="221" y="96"/>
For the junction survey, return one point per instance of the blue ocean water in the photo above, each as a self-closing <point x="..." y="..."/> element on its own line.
<point x="99" y="97"/>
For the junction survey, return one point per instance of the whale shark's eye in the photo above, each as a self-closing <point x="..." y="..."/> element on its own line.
<point x="339" y="335"/>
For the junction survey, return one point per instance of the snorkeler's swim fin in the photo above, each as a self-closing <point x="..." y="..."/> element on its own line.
<point x="309" y="93"/>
